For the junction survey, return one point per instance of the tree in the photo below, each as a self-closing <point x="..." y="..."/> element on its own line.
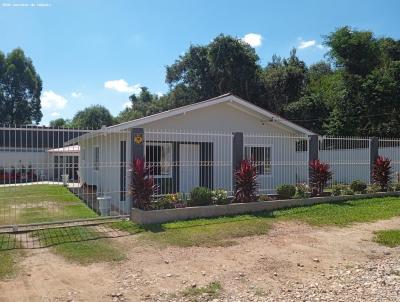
<point x="93" y="117"/>
<point x="60" y="123"/>
<point x="357" y="51"/>
<point x="284" y="81"/>
<point x="20" y="89"/>
<point x="227" y="64"/>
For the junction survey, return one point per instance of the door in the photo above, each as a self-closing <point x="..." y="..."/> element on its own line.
<point x="189" y="160"/>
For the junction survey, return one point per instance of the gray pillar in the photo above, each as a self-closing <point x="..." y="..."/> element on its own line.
<point x="137" y="143"/>
<point x="373" y="154"/>
<point x="237" y="152"/>
<point x="312" y="151"/>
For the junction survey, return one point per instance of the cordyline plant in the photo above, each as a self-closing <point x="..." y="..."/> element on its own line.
<point x="381" y="172"/>
<point x="320" y="174"/>
<point x="246" y="182"/>
<point x="142" y="186"/>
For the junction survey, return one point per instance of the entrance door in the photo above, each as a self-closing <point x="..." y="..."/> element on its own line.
<point x="189" y="157"/>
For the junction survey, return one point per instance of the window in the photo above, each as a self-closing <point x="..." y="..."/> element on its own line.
<point x="259" y="157"/>
<point x="96" y="158"/>
<point x="159" y="157"/>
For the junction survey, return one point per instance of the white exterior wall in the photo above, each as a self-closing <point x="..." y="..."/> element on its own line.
<point x="107" y="177"/>
<point x="40" y="161"/>
<point x="348" y="165"/>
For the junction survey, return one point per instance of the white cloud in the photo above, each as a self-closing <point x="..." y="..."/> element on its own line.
<point x="52" y="101"/>
<point x="254" y="40"/>
<point x="55" y="114"/>
<point x="76" y="94"/>
<point x="159" y="94"/>
<point x="122" y="86"/>
<point x="306" y="44"/>
<point x="127" y="105"/>
<point x="303" y="44"/>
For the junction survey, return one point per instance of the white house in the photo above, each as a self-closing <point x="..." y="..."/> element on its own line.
<point x="195" y="145"/>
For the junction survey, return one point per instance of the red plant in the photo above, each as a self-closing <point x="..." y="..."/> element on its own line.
<point x="142" y="186"/>
<point x="246" y="182"/>
<point x="320" y="174"/>
<point x="381" y="172"/>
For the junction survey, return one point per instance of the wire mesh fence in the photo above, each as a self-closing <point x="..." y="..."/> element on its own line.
<point x="50" y="175"/>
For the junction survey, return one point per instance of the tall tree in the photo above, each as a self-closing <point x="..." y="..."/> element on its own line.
<point x="357" y="51"/>
<point x="93" y="117"/>
<point x="227" y="64"/>
<point x="284" y="81"/>
<point x="60" y="123"/>
<point x="20" y="89"/>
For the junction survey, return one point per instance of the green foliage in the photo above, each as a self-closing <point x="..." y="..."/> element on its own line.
<point x="302" y="191"/>
<point x="374" y="188"/>
<point x="200" y="196"/>
<point x="20" y="89"/>
<point x="338" y="189"/>
<point x="358" y="186"/>
<point x="93" y="117"/>
<point x="219" y="196"/>
<point x="347" y="191"/>
<point x="60" y="123"/>
<point x="286" y="191"/>
<point x="396" y="186"/>
<point x="169" y="201"/>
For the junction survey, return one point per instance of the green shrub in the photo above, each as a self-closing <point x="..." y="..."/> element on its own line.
<point x="302" y="191"/>
<point x="374" y="188"/>
<point x="348" y="191"/>
<point x="200" y="196"/>
<point x="358" y="186"/>
<point x="338" y="189"/>
<point x="396" y="186"/>
<point x="264" y="197"/>
<point x="219" y="196"/>
<point x="286" y="191"/>
<point x="169" y="201"/>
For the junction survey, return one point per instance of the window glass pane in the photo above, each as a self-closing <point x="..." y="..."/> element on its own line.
<point x="159" y="157"/>
<point x="260" y="157"/>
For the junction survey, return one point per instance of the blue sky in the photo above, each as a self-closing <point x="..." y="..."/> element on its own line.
<point x="99" y="52"/>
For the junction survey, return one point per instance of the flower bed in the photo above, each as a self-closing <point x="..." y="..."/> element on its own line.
<point x="176" y="214"/>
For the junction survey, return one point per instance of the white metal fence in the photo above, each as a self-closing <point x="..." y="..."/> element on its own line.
<point x="348" y="157"/>
<point x="50" y="175"/>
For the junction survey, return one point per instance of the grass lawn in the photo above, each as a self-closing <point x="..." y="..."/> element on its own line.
<point x="40" y="203"/>
<point x="7" y="257"/>
<point x="223" y="230"/>
<point x="344" y="213"/>
<point x="206" y="232"/>
<point x="390" y="238"/>
<point x="80" y="244"/>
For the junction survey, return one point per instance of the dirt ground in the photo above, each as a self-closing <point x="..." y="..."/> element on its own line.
<point x="255" y="269"/>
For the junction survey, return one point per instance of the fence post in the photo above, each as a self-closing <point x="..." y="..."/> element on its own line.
<point x="312" y="151"/>
<point x="137" y="143"/>
<point x="373" y="154"/>
<point x="237" y="152"/>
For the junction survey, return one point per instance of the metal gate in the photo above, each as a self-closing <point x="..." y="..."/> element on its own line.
<point x="50" y="176"/>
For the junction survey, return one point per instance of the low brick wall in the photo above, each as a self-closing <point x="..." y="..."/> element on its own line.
<point x="161" y="216"/>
